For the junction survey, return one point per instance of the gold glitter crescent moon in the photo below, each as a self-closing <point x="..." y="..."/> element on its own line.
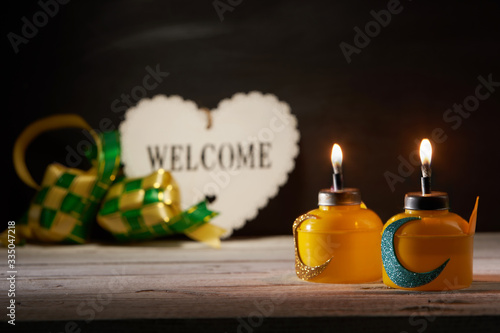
<point x="303" y="271"/>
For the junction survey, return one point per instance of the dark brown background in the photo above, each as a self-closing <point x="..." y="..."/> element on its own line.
<point x="394" y="92"/>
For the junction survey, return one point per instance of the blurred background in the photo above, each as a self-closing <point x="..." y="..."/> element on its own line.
<point x="395" y="86"/>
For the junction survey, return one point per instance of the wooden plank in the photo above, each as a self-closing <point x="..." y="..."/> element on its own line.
<point x="186" y="280"/>
<point x="278" y="247"/>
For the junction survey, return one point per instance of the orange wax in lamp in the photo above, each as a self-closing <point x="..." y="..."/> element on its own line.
<point x="428" y="247"/>
<point x="339" y="242"/>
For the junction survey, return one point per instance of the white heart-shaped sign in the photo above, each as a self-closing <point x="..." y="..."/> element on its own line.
<point x="241" y="152"/>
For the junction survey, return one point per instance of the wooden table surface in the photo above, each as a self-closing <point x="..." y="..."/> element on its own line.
<point x="249" y="285"/>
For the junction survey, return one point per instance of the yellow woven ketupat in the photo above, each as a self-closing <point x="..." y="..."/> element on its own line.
<point x="149" y="207"/>
<point x="67" y="200"/>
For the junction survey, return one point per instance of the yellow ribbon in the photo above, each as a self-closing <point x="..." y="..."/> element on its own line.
<point x="35" y="129"/>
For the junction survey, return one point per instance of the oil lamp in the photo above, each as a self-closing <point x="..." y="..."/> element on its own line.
<point x="427" y="247"/>
<point x="339" y="242"/>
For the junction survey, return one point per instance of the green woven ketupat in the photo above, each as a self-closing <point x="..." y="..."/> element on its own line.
<point x="65" y="207"/>
<point x="149" y="207"/>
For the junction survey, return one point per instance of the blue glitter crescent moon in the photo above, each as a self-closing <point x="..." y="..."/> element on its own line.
<point x="395" y="270"/>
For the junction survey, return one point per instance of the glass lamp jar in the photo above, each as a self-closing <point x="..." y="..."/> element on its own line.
<point x="427" y="247"/>
<point x="339" y="242"/>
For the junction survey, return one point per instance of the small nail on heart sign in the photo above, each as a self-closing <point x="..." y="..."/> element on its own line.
<point x="242" y="158"/>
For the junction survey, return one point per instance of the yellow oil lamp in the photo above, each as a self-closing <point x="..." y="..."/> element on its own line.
<point x="339" y="242"/>
<point x="428" y="247"/>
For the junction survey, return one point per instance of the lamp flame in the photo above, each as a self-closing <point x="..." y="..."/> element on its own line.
<point x="425" y="152"/>
<point x="337" y="158"/>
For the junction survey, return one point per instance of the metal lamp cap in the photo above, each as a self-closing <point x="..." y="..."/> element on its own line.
<point x="432" y="201"/>
<point x="344" y="197"/>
